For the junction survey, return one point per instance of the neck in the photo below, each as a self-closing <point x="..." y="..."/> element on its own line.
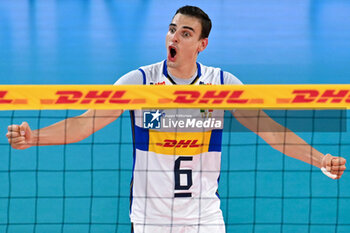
<point x="184" y="72"/>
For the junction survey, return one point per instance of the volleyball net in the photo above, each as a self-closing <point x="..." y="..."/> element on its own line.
<point x="85" y="186"/>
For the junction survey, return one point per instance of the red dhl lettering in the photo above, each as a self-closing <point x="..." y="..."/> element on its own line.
<point x="334" y="97"/>
<point x="235" y="98"/>
<point x="68" y="97"/>
<point x="210" y="97"/>
<point x="2" y="98"/>
<point x="181" y="143"/>
<point x="73" y="97"/>
<point x="217" y="98"/>
<point x="186" y="97"/>
<point x="312" y="95"/>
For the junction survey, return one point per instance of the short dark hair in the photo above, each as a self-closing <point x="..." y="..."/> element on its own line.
<point x="198" y="13"/>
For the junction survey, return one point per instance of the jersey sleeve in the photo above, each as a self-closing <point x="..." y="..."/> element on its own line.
<point x="134" y="77"/>
<point x="231" y="79"/>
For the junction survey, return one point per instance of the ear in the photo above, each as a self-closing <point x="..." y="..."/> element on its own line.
<point x="203" y="44"/>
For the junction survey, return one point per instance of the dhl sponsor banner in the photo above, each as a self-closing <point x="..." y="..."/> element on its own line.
<point x="179" y="143"/>
<point x="174" y="96"/>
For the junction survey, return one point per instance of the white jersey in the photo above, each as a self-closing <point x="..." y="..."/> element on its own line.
<point x="177" y="156"/>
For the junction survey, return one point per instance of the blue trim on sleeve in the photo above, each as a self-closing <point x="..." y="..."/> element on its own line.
<point x="143" y="75"/>
<point x="222" y="77"/>
<point x="215" y="140"/>
<point x="199" y="71"/>
<point x="165" y="69"/>
<point x="132" y="116"/>
<point x="141" y="138"/>
<point x="217" y="191"/>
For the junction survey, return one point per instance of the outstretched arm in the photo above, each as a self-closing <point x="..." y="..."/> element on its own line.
<point x="66" y="131"/>
<point x="287" y="142"/>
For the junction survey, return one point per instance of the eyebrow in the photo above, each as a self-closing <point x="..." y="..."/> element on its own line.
<point x="186" y="27"/>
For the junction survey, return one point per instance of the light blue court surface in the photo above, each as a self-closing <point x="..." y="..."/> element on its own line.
<point x="84" y="187"/>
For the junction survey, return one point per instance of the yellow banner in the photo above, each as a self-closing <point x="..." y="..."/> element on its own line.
<point x="179" y="143"/>
<point x="31" y="97"/>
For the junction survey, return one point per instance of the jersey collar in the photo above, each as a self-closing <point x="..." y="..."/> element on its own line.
<point x="165" y="72"/>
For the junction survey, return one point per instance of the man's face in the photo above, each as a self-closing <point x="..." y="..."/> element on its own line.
<point x="182" y="40"/>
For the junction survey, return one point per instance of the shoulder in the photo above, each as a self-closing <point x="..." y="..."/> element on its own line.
<point x="225" y="77"/>
<point x="153" y="67"/>
<point x="152" y="73"/>
<point x="231" y="79"/>
<point x="139" y="76"/>
<point x="134" y="77"/>
<point x="209" y="70"/>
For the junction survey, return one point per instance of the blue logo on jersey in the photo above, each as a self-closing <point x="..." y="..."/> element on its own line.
<point x="151" y="120"/>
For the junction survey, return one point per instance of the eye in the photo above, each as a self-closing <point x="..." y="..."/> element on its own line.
<point x="172" y="30"/>
<point x="186" y="34"/>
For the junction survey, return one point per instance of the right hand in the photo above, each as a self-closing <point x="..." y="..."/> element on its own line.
<point x="20" y="136"/>
<point x="333" y="166"/>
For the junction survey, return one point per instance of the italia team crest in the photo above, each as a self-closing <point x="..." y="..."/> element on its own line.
<point x="206" y="113"/>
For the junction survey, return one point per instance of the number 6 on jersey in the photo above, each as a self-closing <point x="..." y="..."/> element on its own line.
<point x="182" y="174"/>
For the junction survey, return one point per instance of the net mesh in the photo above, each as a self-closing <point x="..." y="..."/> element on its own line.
<point x="85" y="186"/>
<point x="80" y="187"/>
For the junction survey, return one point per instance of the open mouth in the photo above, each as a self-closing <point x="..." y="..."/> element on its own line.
<point x="172" y="52"/>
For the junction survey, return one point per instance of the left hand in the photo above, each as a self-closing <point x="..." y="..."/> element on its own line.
<point x="333" y="167"/>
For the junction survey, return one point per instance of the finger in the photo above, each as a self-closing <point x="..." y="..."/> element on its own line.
<point x="326" y="160"/>
<point x="24" y="128"/>
<point x="22" y="143"/>
<point x="337" y="175"/>
<point x="16" y="140"/>
<point x="338" y="168"/>
<point x="338" y="161"/>
<point x="13" y="128"/>
<point x="340" y="174"/>
<point x="12" y="134"/>
<point x="336" y="172"/>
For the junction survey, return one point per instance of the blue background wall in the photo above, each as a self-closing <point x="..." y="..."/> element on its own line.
<point x="73" y="42"/>
<point x="85" y="185"/>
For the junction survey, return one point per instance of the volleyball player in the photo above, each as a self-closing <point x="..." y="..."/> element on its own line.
<point x="176" y="170"/>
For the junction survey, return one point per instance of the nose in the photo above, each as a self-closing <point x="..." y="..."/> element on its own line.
<point x="175" y="37"/>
